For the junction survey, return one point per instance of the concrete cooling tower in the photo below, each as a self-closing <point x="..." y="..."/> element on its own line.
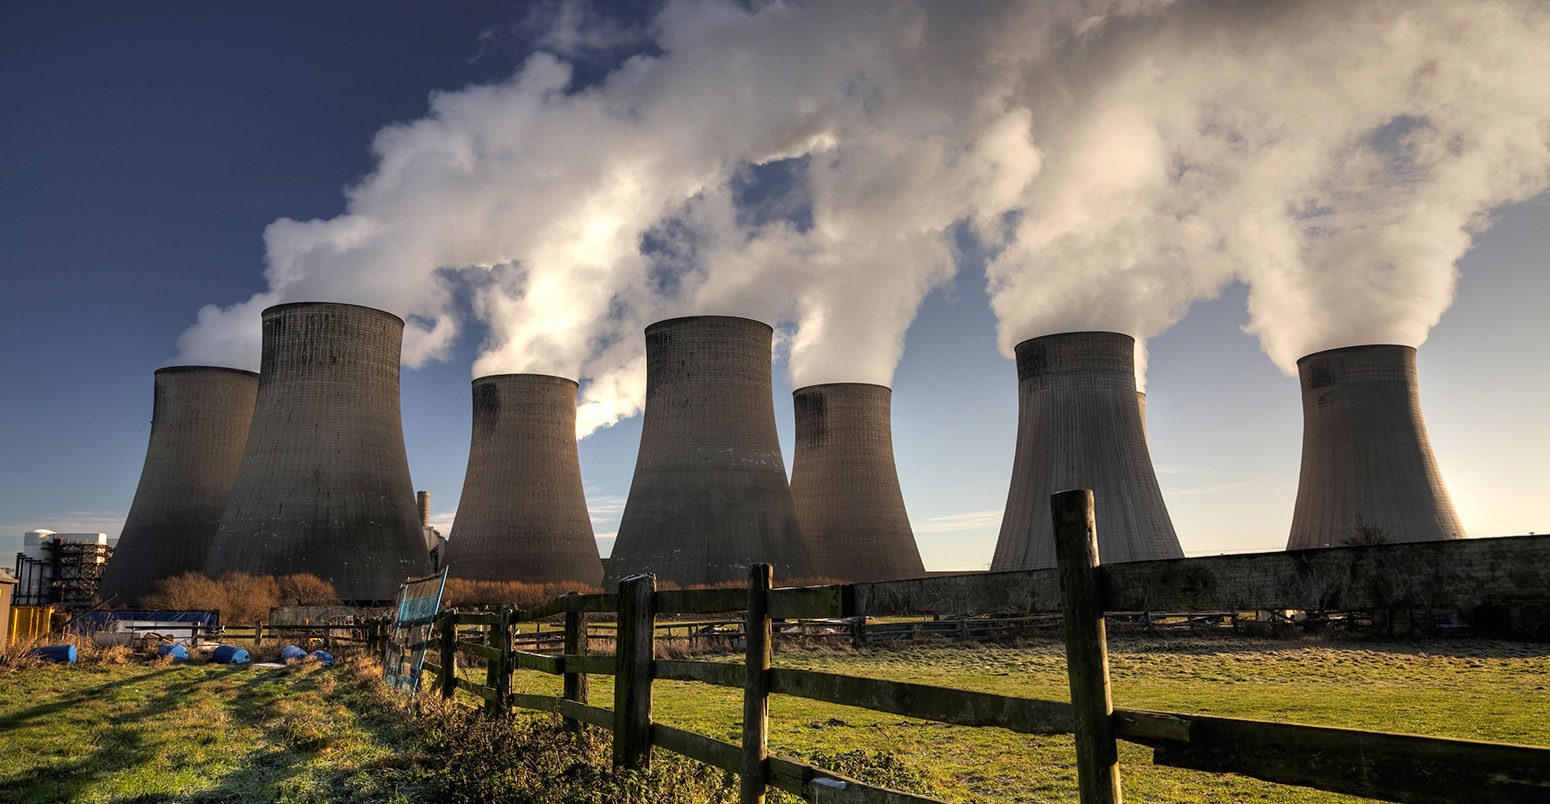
<point x="846" y="487"/>
<point x="709" y="497"/>
<point x="1365" y="452"/>
<point x="199" y="424"/>
<point x="1079" y="427"/>
<point x="523" y="515"/>
<point x="324" y="483"/>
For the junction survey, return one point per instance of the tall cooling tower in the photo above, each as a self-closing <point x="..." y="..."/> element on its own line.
<point x="324" y="482"/>
<point x="1365" y="452"/>
<point x="846" y="486"/>
<point x="523" y="515"/>
<point x="710" y="496"/>
<point x="1079" y="427"/>
<point x="199" y="423"/>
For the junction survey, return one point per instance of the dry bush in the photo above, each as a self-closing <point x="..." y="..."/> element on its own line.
<point x="306" y="590"/>
<point x="463" y="593"/>
<point x="238" y="596"/>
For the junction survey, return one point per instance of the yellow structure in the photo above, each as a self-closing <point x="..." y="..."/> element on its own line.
<point x="28" y="622"/>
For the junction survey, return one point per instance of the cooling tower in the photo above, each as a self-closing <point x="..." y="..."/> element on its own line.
<point x="1079" y="427"/>
<point x="709" y="497"/>
<point x="1365" y="452"/>
<point x="324" y="483"/>
<point x="199" y="423"/>
<point x="846" y="487"/>
<point x="523" y="516"/>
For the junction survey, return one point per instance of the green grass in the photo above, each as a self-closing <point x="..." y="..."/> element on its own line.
<point x="148" y="732"/>
<point x="1481" y="691"/>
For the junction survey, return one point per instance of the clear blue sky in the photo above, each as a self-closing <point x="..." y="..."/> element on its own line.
<point x="145" y="147"/>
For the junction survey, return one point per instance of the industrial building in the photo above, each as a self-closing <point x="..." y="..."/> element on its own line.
<point x="709" y="496"/>
<point x="323" y="486"/>
<point x="199" y="426"/>
<point x="1080" y="426"/>
<point x="846" y="487"/>
<point x="523" y="515"/>
<point x="1365" y="453"/>
<point x="60" y="569"/>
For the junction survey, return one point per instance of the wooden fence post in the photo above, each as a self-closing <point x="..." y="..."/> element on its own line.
<point x="756" y="688"/>
<point x="258" y="633"/>
<point x="497" y="677"/>
<point x="1087" y="653"/>
<point x="633" y="655"/>
<point x="448" y="654"/>
<point x="576" y="684"/>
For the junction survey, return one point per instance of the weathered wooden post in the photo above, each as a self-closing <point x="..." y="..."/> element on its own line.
<point x="258" y="633"/>
<point x="576" y="685"/>
<point x="633" y="656"/>
<point x="448" y="654"/>
<point x="496" y="675"/>
<point x="756" y="687"/>
<point x="858" y="632"/>
<point x="1087" y="653"/>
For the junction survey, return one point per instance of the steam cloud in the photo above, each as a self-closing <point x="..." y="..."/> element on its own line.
<point x="817" y="165"/>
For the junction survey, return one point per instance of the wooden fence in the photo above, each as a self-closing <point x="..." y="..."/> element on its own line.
<point x="1397" y="767"/>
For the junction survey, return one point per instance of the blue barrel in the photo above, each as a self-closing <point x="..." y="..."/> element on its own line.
<point x="291" y="653"/>
<point x="324" y="656"/>
<point x="178" y="653"/>
<point x="63" y="654"/>
<point x="230" y="654"/>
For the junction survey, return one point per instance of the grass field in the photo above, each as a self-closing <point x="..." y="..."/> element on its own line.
<point x="1472" y="690"/>
<point x="148" y="732"/>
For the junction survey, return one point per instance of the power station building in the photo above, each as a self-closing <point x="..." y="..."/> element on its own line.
<point x="199" y="425"/>
<point x="523" y="515"/>
<point x="323" y="486"/>
<point x="1080" y="427"/>
<point x="1365" y="452"/>
<point x="709" y="497"/>
<point x="846" y="486"/>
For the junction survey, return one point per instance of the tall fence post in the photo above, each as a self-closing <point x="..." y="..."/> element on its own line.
<point x="576" y="684"/>
<point x="756" y="687"/>
<point x="448" y="654"/>
<point x="496" y="676"/>
<point x="632" y="672"/>
<point x="1087" y="653"/>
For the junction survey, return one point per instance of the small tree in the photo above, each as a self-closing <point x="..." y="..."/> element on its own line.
<point x="1364" y="533"/>
<point x="306" y="590"/>
<point x="191" y="590"/>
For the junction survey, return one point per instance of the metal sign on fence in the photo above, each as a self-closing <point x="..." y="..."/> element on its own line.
<point x="413" y="615"/>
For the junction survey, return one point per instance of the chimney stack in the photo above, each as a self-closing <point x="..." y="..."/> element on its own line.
<point x="422" y="500"/>
<point x="323" y="487"/>
<point x="1365" y="452"/>
<point x="199" y="424"/>
<point x="523" y="515"/>
<point x="846" y="486"/>
<point x="709" y="497"/>
<point x="1079" y="427"/>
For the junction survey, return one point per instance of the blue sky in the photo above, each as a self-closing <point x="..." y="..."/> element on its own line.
<point x="146" y="147"/>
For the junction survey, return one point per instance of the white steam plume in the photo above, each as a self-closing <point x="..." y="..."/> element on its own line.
<point x="1335" y="156"/>
<point x="811" y="165"/>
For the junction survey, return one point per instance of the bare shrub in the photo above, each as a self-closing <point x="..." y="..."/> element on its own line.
<point x="191" y="590"/>
<point x="306" y="590"/>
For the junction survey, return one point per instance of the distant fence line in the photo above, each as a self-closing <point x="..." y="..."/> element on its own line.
<point x="1512" y="571"/>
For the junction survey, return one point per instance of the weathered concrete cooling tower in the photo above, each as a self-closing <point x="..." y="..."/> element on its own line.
<point x="710" y="496"/>
<point x="1079" y="427"/>
<point x="846" y="487"/>
<point x="324" y="483"/>
<point x="523" y="515"/>
<point x="1365" y="452"/>
<point x="199" y="423"/>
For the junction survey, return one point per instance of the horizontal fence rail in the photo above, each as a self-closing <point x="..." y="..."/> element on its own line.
<point x="1397" y="767"/>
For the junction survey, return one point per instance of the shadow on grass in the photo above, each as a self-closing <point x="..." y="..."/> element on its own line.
<point x="131" y="743"/>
